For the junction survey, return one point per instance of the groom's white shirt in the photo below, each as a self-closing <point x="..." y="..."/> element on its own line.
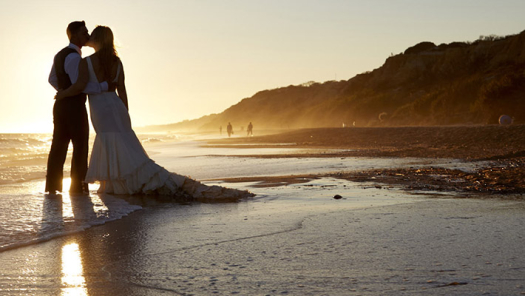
<point x="71" y="66"/>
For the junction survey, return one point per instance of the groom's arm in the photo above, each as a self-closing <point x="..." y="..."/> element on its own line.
<point x="71" y="66"/>
<point x="53" y="80"/>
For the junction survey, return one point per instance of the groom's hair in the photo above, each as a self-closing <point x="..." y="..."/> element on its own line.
<point x="74" y="27"/>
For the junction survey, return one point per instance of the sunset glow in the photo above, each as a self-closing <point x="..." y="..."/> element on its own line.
<point x="187" y="59"/>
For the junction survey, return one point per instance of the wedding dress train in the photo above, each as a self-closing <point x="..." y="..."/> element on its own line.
<point x="122" y="166"/>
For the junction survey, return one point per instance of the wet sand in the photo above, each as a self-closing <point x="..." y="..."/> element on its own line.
<point x="461" y="142"/>
<point x="287" y="246"/>
<point x="294" y="238"/>
<point x="502" y="146"/>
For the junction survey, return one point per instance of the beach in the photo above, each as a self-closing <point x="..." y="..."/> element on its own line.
<point x="473" y="142"/>
<point x="293" y="238"/>
<point x="421" y="245"/>
<point x="500" y="151"/>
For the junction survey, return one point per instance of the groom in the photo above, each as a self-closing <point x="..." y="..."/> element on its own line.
<point x="70" y="118"/>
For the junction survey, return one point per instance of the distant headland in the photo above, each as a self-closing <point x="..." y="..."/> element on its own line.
<point x="428" y="84"/>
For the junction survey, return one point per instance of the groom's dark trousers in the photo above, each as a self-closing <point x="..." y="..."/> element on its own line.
<point x="70" y="123"/>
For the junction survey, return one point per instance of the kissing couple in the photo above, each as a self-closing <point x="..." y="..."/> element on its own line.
<point x="118" y="161"/>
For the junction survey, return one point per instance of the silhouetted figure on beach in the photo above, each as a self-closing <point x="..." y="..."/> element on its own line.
<point x="70" y="119"/>
<point x="220" y="129"/>
<point x="229" y="129"/>
<point x="118" y="160"/>
<point x="250" y="129"/>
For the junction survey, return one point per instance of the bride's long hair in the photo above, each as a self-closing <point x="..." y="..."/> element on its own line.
<point x="107" y="53"/>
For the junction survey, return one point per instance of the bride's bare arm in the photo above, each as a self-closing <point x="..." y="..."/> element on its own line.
<point x="121" y="87"/>
<point x="79" y="85"/>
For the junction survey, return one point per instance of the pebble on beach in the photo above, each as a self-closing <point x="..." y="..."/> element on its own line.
<point x="337" y="196"/>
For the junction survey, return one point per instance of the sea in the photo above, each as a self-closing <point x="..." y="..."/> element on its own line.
<point x="29" y="216"/>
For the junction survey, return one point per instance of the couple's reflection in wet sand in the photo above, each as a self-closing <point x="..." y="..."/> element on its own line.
<point x="84" y="263"/>
<point x="73" y="263"/>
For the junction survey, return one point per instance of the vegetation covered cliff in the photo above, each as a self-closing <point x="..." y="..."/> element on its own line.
<point x="428" y="84"/>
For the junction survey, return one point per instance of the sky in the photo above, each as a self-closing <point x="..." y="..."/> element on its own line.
<point x="184" y="59"/>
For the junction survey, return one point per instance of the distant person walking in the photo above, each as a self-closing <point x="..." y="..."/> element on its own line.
<point x="229" y="129"/>
<point x="220" y="129"/>
<point x="250" y="129"/>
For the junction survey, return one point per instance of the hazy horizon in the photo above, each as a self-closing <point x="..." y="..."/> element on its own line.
<point x="184" y="60"/>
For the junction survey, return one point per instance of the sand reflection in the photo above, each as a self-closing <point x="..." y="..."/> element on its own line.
<point x="67" y="208"/>
<point x="73" y="281"/>
<point x="76" y="210"/>
<point x="99" y="207"/>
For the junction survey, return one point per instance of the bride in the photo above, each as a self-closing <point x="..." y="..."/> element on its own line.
<point x="118" y="161"/>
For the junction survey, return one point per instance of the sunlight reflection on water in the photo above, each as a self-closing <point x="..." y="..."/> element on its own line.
<point x="29" y="215"/>
<point x="67" y="208"/>
<point x="73" y="281"/>
<point x="99" y="208"/>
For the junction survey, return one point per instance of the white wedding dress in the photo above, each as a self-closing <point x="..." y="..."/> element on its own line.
<point x="122" y="166"/>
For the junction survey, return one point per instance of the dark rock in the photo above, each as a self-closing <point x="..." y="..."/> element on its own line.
<point x="420" y="47"/>
<point x="337" y="196"/>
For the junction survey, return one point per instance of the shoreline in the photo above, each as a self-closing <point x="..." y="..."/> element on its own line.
<point x="294" y="238"/>
<point x="503" y="146"/>
<point x="480" y="142"/>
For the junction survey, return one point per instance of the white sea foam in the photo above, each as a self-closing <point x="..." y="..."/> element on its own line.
<point x="29" y="216"/>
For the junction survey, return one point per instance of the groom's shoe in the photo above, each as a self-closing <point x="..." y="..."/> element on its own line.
<point x="85" y="188"/>
<point x="76" y="189"/>
<point x="53" y="193"/>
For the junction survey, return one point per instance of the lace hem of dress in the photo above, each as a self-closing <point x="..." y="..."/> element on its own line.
<point x="121" y="166"/>
<point x="176" y="186"/>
